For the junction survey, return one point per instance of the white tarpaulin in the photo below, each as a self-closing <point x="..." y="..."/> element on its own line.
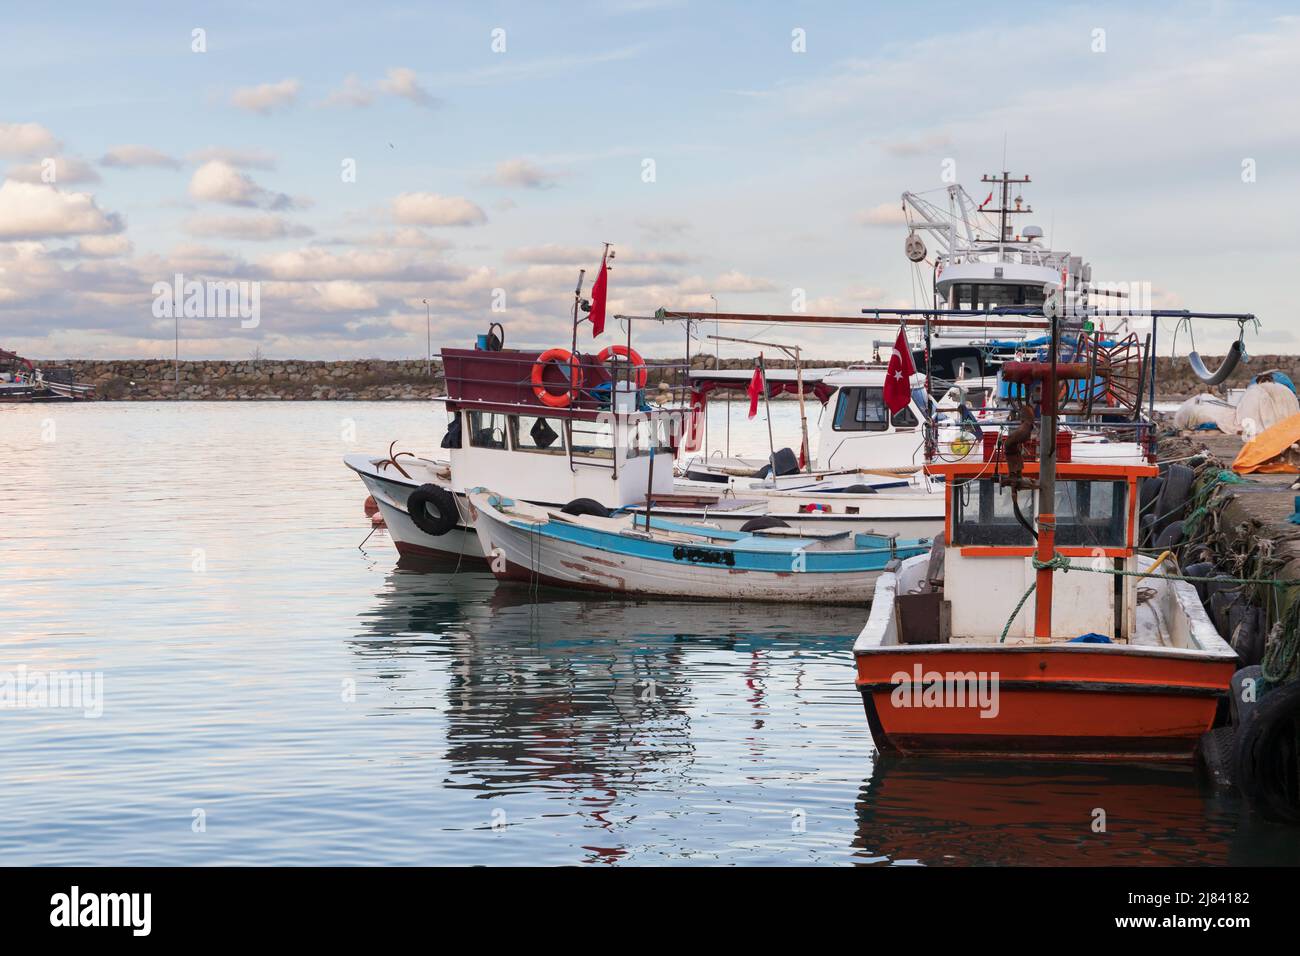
<point x="1206" y="410"/>
<point x="1263" y="406"/>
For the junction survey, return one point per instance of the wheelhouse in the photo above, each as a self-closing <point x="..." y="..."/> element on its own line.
<point x="990" y="544"/>
<point x="578" y="426"/>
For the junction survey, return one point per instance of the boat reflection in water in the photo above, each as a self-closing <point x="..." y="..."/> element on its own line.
<point x="618" y="724"/>
<point x="955" y="812"/>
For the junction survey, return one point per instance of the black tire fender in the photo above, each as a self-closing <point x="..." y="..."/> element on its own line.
<point x="1265" y="755"/>
<point x="586" y="506"/>
<point x="433" y="509"/>
<point x="758" y="524"/>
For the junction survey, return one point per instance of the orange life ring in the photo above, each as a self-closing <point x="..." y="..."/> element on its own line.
<point x="544" y="394"/>
<point x="631" y="355"/>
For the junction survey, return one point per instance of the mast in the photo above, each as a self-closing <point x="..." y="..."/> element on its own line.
<point x="1005" y="182"/>
<point x="1046" y="493"/>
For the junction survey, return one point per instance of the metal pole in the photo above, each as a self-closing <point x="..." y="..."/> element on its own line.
<point x="428" y="339"/>
<point x="803" y="413"/>
<point x="767" y="405"/>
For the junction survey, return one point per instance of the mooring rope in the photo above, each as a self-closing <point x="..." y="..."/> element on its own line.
<point x="1060" y="562"/>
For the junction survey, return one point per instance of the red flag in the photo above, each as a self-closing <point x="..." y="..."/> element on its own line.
<point x="987" y="199"/>
<point x="598" y="301"/>
<point x="755" y="390"/>
<point x="898" y="377"/>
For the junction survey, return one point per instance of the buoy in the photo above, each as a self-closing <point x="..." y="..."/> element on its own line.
<point x="377" y="521"/>
<point x="371" y="508"/>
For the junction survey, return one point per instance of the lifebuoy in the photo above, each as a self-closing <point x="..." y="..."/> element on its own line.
<point x="631" y="355"/>
<point x="433" y="509"/>
<point x="544" y="394"/>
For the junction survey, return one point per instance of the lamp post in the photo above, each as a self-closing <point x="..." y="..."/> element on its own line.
<point x="428" y="339"/>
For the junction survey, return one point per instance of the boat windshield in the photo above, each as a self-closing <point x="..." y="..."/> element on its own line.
<point x="1089" y="513"/>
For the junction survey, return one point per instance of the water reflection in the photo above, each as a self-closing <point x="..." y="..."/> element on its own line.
<point x="955" y="812"/>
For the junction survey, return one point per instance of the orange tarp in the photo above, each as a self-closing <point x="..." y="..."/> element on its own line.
<point x="1264" y="452"/>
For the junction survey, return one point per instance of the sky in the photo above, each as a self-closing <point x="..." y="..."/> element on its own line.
<point x="356" y="159"/>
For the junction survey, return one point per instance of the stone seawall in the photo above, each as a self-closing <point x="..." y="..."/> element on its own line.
<point x="261" y="380"/>
<point x="407" y="380"/>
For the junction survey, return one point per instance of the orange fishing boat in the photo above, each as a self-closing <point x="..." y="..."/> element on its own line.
<point x="1041" y="635"/>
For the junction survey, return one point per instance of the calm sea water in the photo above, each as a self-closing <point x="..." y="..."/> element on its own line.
<point x="271" y="693"/>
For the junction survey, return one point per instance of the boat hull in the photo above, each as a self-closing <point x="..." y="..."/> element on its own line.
<point x="1059" y="700"/>
<point x="1048" y="704"/>
<point x="918" y="518"/>
<point x="527" y="554"/>
<point x="391" y="492"/>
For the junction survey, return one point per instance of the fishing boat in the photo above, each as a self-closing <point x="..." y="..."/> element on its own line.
<point x="22" y="381"/>
<point x="560" y="427"/>
<point x="1112" y="659"/>
<point x="644" y="555"/>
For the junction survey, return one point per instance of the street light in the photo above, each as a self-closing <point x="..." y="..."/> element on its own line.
<point x="428" y="339"/>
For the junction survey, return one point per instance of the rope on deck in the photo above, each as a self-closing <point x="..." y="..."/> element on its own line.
<point x="1060" y="562"/>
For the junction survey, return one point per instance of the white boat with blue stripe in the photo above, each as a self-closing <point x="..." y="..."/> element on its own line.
<point x="634" y="554"/>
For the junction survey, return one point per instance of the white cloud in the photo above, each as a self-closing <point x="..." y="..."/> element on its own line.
<point x="352" y="94"/>
<point x="407" y="237"/>
<point x="341" y="295"/>
<point x="104" y="247"/>
<point x="26" y="139"/>
<point x="316" y="264"/>
<point x="886" y="214"/>
<point x="401" y="81"/>
<point x="919" y="146"/>
<point x="243" y="158"/>
<point x="260" y="227"/>
<point x="430" y="209"/>
<point x="132" y="155"/>
<point x="30" y="211"/>
<point x="734" y="282"/>
<point x="266" y="97"/>
<point x="523" y="174"/>
<point x="218" y="181"/>
<point x="55" y="171"/>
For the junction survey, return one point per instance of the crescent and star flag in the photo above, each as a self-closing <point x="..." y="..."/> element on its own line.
<point x="898" y="377"/>
<point x="987" y="199"/>
<point x="755" y="389"/>
<point x="598" y="300"/>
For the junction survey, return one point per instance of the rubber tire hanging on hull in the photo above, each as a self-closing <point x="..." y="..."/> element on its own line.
<point x="1265" y="755"/>
<point x="433" y="509"/>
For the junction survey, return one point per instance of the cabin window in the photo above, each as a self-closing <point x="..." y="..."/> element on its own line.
<point x="646" y="429"/>
<point x="991" y="295"/>
<point x="905" y="418"/>
<point x="1089" y="514"/>
<point x="861" y="410"/>
<point x="543" y="435"/>
<point x="486" y="429"/>
<point x="591" y="439"/>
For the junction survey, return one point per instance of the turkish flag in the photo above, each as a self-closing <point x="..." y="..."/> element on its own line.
<point x="987" y="199"/>
<point x="755" y="390"/>
<point x="898" y="377"/>
<point x="598" y="301"/>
